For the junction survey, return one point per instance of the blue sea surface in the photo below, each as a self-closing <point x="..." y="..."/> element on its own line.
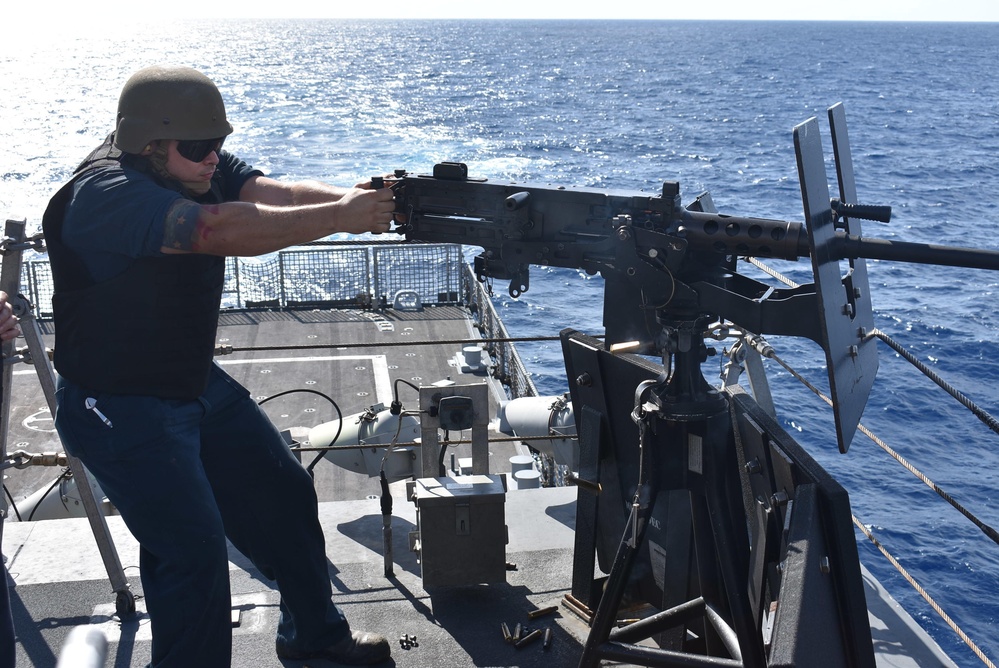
<point x="629" y="104"/>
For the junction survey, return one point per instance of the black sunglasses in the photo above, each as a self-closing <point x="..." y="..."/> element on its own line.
<point x="197" y="150"/>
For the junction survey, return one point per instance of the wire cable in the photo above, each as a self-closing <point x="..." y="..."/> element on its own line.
<point x="328" y="398"/>
<point x="926" y="596"/>
<point x="978" y="412"/>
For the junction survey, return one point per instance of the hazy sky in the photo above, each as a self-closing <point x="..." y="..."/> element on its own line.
<point x="853" y="10"/>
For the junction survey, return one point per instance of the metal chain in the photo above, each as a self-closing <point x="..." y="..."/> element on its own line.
<point x="35" y="242"/>
<point x="21" y="459"/>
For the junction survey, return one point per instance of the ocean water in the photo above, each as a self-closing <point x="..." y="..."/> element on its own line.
<point x="629" y="105"/>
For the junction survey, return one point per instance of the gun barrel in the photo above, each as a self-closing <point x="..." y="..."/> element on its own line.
<point x="853" y="247"/>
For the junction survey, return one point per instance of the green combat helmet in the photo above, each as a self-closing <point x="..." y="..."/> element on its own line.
<point x="162" y="102"/>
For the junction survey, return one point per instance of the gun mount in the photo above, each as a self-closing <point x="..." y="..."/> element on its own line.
<point x="707" y="509"/>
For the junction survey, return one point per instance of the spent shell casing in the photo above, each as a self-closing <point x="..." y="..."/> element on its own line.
<point x="541" y="612"/>
<point x="529" y="638"/>
<point x="548" y="638"/>
<point x="507" y="636"/>
<point x="516" y="632"/>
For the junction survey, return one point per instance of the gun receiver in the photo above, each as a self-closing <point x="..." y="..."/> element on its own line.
<point x="518" y="224"/>
<point x="652" y="251"/>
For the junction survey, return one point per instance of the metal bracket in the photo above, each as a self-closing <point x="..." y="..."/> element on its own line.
<point x="471" y="402"/>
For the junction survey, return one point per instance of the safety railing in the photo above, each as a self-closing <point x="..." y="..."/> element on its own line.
<point x="326" y="274"/>
<point x="347" y="275"/>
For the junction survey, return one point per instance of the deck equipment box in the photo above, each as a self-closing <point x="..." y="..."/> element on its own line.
<point x="462" y="529"/>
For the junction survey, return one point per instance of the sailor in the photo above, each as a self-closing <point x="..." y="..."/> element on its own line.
<point x="137" y="242"/>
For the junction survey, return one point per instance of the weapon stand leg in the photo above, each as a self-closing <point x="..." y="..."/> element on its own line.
<point x="9" y="282"/>
<point x="634" y="532"/>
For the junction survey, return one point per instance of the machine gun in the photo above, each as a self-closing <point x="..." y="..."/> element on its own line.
<point x="661" y="260"/>
<point x="685" y="468"/>
<point x="650" y="249"/>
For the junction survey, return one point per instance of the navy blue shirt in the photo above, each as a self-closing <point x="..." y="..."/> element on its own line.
<point x="117" y="214"/>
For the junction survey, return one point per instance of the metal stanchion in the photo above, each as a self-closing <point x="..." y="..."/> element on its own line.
<point x="13" y="245"/>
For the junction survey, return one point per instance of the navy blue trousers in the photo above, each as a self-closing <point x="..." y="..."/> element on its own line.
<point x="187" y="475"/>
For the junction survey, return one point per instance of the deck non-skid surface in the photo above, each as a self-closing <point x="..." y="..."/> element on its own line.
<point x="309" y="357"/>
<point x="58" y="580"/>
<point x="55" y="590"/>
<point x="454" y="626"/>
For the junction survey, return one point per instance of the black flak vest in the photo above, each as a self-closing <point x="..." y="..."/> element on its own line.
<point x="151" y="329"/>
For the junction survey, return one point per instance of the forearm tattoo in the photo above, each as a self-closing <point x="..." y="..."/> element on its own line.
<point x="184" y="227"/>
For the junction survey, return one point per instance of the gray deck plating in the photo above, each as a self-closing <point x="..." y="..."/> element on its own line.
<point x="55" y="591"/>
<point x="351" y="356"/>
<point x="57" y="580"/>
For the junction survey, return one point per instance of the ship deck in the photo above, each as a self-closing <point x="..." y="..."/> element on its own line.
<point x="58" y="580"/>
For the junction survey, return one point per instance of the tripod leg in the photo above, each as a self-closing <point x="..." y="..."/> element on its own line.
<point x="606" y="613"/>
<point x="645" y="493"/>
<point x="722" y="495"/>
<point x="125" y="603"/>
